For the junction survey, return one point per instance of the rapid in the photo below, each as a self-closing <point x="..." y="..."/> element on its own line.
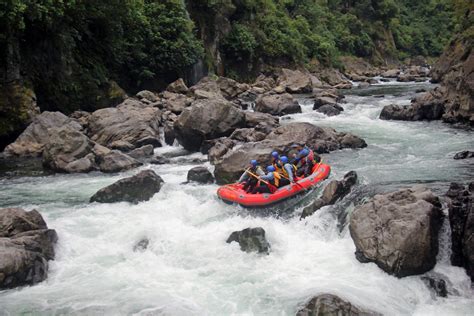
<point x="189" y="269"/>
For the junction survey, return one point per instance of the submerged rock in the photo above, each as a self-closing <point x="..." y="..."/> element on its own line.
<point x="334" y="191"/>
<point x="142" y="152"/>
<point x="200" y="174"/>
<point x="138" y="188"/>
<point x="251" y="240"/>
<point x="26" y="245"/>
<point x="461" y="220"/>
<point x="398" y="231"/>
<point x="464" y="154"/>
<point x="142" y="245"/>
<point x="330" y="110"/>
<point x="437" y="284"/>
<point x="332" y="305"/>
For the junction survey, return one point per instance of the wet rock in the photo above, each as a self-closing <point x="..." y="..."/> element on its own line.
<point x="392" y="73"/>
<point x="142" y="245"/>
<point x="320" y="139"/>
<point x="247" y="135"/>
<point x="158" y="160"/>
<point x="127" y="122"/>
<point x="324" y="100"/>
<point x="177" y="86"/>
<point x="26" y="245"/>
<point x="116" y="161"/>
<point x="135" y="189"/>
<point x="398" y="231"/>
<point x="332" y="305"/>
<point x="33" y="139"/>
<point x="142" y="152"/>
<point x="461" y="220"/>
<point x="200" y="174"/>
<point x="425" y="107"/>
<point x="437" y="284"/>
<point x="64" y="148"/>
<point x="464" y="154"/>
<point x="219" y="148"/>
<point x="295" y="81"/>
<point x="207" y="119"/>
<point x="330" y="110"/>
<point x="334" y="191"/>
<point x="147" y="95"/>
<point x="277" y="104"/>
<point x="251" y="240"/>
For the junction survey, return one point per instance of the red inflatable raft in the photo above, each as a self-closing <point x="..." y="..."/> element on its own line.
<point x="233" y="193"/>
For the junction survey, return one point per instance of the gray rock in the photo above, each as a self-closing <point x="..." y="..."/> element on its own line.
<point x="142" y="152"/>
<point x="461" y="220"/>
<point x="330" y="110"/>
<point x="207" y="119"/>
<point x="177" y="86"/>
<point x="332" y="305"/>
<point x="175" y="102"/>
<point x="158" y="160"/>
<point x="135" y="189"/>
<point x="277" y="104"/>
<point x="147" y="95"/>
<point x="64" y="148"/>
<point x="425" y="107"/>
<point x="251" y="240"/>
<point x="437" y="284"/>
<point x="392" y="73"/>
<point x="33" y="139"/>
<point x="116" y="161"/>
<point x="398" y="231"/>
<point x="464" y="154"/>
<point x="200" y="174"/>
<point x="121" y="145"/>
<point x="142" y="245"/>
<point x="295" y="81"/>
<point x="334" y="191"/>
<point x="26" y="245"/>
<point x="127" y="122"/>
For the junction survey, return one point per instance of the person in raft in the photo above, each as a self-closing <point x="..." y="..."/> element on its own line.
<point x="275" y="158"/>
<point x="268" y="183"/>
<point x="248" y="179"/>
<point x="286" y="170"/>
<point x="304" y="160"/>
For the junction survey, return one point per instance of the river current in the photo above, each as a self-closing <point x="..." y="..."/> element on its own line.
<point x="189" y="269"/>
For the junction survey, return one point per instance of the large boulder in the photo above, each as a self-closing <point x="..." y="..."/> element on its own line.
<point x="398" y="231"/>
<point x="251" y="240"/>
<point x="130" y="122"/>
<point x="138" y="188"/>
<point x="335" y="78"/>
<point x="26" y="245"/>
<point x="320" y="139"/>
<point x="200" y="174"/>
<point x="332" y="305"/>
<point x="207" y="119"/>
<point x="277" y="104"/>
<point x="295" y="81"/>
<point x="33" y="139"/>
<point x="461" y="220"/>
<point x="335" y="190"/>
<point x="425" y="107"/>
<point x="64" y="148"/>
<point x="115" y="161"/>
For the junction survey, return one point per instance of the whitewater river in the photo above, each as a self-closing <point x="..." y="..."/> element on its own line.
<point x="189" y="269"/>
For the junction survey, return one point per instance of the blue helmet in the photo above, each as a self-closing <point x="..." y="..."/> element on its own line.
<point x="253" y="162"/>
<point x="284" y="159"/>
<point x="271" y="169"/>
<point x="275" y="154"/>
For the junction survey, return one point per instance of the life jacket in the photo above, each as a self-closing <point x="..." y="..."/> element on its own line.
<point x="285" y="173"/>
<point x="276" y="179"/>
